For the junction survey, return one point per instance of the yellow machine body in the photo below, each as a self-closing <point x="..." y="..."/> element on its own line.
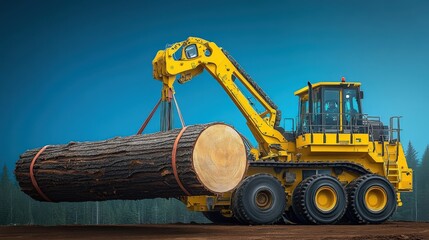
<point x="345" y="145"/>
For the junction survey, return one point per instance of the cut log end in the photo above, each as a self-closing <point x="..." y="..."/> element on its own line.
<point x="219" y="158"/>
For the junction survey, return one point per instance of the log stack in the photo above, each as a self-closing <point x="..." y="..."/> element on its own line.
<point x="196" y="160"/>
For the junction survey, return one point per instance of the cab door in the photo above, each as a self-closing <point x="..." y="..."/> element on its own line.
<point x="351" y="108"/>
<point x="331" y="109"/>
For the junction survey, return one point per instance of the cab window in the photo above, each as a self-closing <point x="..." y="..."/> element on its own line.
<point x="331" y="108"/>
<point x="351" y="105"/>
<point x="303" y="115"/>
<point x="317" y="110"/>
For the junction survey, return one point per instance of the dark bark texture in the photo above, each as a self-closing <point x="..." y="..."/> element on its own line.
<point x="134" y="167"/>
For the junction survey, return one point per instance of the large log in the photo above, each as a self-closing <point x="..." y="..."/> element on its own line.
<point x="209" y="159"/>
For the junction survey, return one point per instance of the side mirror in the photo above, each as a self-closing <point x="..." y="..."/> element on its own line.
<point x="361" y="94"/>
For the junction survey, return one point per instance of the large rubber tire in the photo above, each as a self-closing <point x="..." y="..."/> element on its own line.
<point x="217" y="218"/>
<point x="319" y="199"/>
<point x="368" y="188"/>
<point x="292" y="217"/>
<point x="259" y="199"/>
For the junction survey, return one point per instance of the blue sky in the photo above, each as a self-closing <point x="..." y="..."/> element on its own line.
<point x="81" y="70"/>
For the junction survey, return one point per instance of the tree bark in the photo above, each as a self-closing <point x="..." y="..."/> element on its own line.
<point x="210" y="159"/>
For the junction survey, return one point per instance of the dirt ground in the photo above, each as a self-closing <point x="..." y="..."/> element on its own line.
<point x="390" y="230"/>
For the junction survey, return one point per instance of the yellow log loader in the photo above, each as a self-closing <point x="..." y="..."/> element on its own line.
<point x="336" y="165"/>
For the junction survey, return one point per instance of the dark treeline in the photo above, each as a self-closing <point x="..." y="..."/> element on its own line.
<point x="415" y="204"/>
<point x="18" y="208"/>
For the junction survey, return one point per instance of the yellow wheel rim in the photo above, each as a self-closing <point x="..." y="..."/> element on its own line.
<point x="264" y="199"/>
<point x="376" y="198"/>
<point x="325" y="198"/>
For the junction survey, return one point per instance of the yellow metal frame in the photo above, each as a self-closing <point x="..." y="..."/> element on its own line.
<point x="383" y="158"/>
<point x="272" y="143"/>
<point x="304" y="90"/>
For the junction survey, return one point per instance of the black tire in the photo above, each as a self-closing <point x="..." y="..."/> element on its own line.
<point x="361" y="212"/>
<point x="259" y="199"/>
<point x="344" y="220"/>
<point x="292" y="217"/>
<point x="217" y="218"/>
<point x="307" y="207"/>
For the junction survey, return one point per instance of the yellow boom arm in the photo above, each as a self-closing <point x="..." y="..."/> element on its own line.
<point x="198" y="54"/>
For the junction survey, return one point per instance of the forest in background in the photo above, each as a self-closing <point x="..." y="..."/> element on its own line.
<point x="18" y="208"/>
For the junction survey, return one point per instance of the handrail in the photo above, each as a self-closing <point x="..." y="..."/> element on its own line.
<point x="397" y="129"/>
<point x="352" y="123"/>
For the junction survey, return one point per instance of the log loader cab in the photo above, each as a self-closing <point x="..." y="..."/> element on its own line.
<point x="330" y="107"/>
<point x="338" y="160"/>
